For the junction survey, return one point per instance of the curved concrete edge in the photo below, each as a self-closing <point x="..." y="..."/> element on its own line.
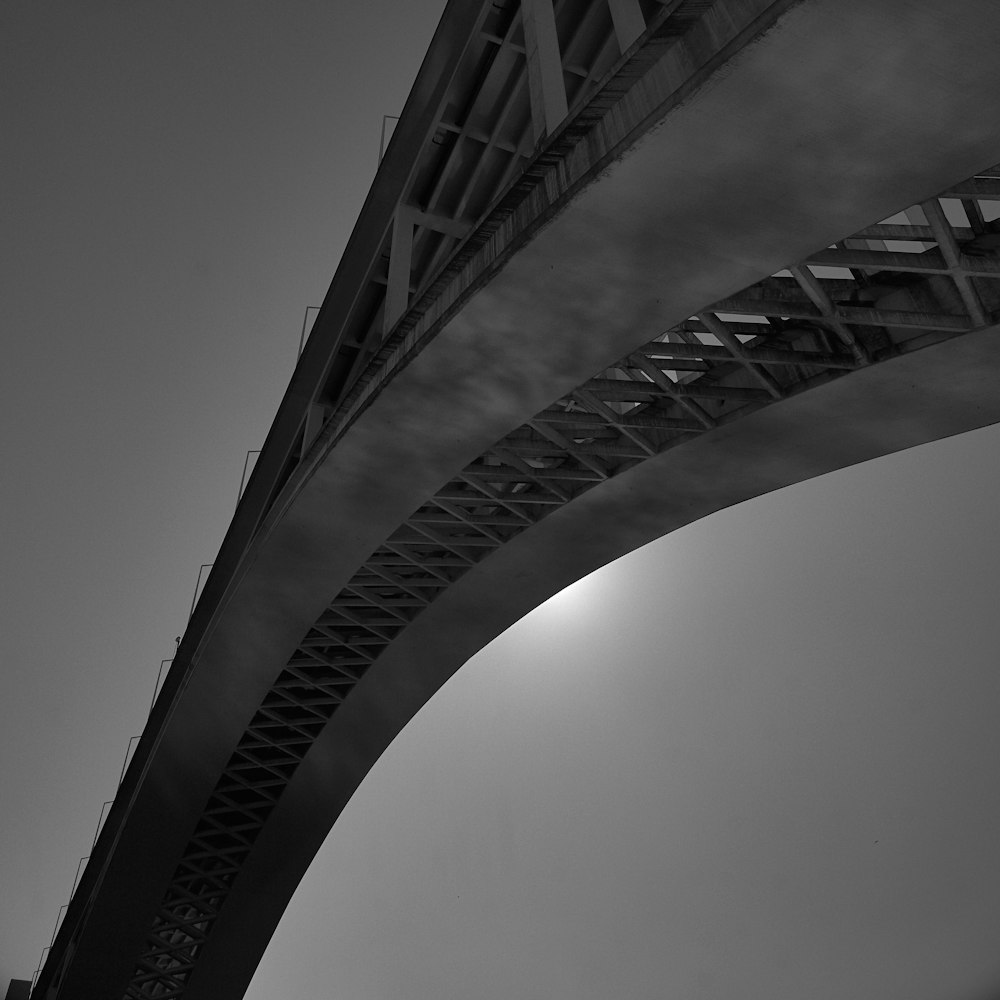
<point x="941" y="391"/>
<point x="777" y="156"/>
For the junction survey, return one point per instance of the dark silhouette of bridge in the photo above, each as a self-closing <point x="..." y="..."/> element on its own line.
<point x="624" y="263"/>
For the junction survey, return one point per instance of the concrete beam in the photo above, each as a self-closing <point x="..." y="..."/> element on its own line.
<point x="397" y="293"/>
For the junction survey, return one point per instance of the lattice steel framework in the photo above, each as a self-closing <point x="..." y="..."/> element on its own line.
<point x="925" y="275"/>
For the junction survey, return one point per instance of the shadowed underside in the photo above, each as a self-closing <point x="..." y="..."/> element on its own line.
<point x="724" y="248"/>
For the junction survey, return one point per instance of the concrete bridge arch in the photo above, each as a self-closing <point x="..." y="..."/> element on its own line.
<point x="645" y="325"/>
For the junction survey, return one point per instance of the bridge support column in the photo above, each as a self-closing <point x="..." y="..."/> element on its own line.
<point x="397" y="292"/>
<point x="546" y="87"/>
<point x="626" y="15"/>
<point x="315" y="418"/>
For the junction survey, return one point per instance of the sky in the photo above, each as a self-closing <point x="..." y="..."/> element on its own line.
<point x="757" y="754"/>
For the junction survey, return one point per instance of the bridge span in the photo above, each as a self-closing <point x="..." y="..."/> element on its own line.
<point x="625" y="263"/>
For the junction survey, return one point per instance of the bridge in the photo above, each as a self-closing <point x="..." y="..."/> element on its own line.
<point x="625" y="263"/>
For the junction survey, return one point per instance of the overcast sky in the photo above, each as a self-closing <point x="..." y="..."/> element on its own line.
<point x="757" y="756"/>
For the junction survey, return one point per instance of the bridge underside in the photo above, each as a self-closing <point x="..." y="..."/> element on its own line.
<point x="882" y="410"/>
<point x="709" y="320"/>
